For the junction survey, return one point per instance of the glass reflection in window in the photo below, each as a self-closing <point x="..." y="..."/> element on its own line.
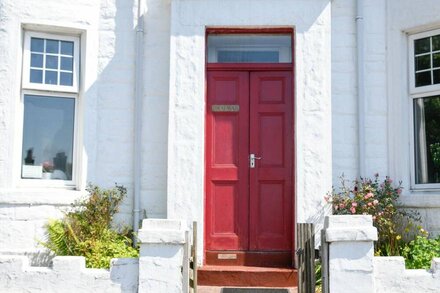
<point x="427" y="139"/>
<point x="48" y="135"/>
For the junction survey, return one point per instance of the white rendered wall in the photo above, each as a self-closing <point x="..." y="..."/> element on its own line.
<point x="344" y="90"/>
<point x="312" y="22"/>
<point x="344" y="99"/>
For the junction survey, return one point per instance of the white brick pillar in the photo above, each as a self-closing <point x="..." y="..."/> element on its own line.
<point x="351" y="253"/>
<point x="162" y="256"/>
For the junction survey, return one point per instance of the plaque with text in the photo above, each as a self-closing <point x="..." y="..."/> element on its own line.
<point x="225" y="108"/>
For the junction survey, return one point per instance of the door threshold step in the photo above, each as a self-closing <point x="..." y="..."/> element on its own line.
<point x="217" y="289"/>
<point x="246" y="276"/>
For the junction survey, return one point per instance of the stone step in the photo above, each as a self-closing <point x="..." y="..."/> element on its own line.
<point x="247" y="276"/>
<point x="216" y="289"/>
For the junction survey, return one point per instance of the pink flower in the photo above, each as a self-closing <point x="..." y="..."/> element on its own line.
<point x="399" y="190"/>
<point x="354" y="204"/>
<point x="375" y="202"/>
<point x="370" y="204"/>
<point x="341" y="205"/>
<point x="370" y="194"/>
<point x="374" y="218"/>
<point x="353" y="210"/>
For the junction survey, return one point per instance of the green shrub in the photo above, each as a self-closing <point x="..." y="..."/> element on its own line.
<point x="86" y="229"/>
<point x="370" y="197"/>
<point x="419" y="252"/>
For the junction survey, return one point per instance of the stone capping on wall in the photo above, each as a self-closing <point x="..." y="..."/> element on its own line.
<point x="350" y="228"/>
<point x="162" y="231"/>
<point x="67" y="274"/>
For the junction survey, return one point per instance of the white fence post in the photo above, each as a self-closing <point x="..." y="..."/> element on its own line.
<point x="351" y="252"/>
<point x="162" y="256"/>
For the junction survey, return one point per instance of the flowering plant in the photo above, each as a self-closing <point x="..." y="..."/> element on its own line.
<point x="379" y="199"/>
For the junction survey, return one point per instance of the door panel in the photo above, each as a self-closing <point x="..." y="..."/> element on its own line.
<point x="227" y="179"/>
<point x="271" y="188"/>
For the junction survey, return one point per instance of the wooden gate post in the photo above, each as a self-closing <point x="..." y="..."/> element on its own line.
<point x="306" y="257"/>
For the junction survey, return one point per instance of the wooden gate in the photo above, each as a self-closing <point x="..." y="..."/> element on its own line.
<point x="193" y="261"/>
<point x="306" y="257"/>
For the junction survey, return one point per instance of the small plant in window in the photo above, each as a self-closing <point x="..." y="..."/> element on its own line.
<point x="379" y="199"/>
<point x="48" y="167"/>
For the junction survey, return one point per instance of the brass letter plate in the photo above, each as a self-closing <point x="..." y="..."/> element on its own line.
<point x="225" y="108"/>
<point x="227" y="256"/>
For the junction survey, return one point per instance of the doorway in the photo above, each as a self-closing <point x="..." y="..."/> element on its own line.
<point x="249" y="180"/>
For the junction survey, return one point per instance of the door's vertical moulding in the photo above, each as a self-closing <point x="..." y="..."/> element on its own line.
<point x="271" y="185"/>
<point x="227" y="141"/>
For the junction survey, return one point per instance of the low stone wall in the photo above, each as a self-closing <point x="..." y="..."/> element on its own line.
<point x="390" y="276"/>
<point x="67" y="274"/>
<point x="353" y="269"/>
<point x="162" y="267"/>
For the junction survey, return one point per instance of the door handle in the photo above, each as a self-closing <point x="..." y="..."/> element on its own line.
<point x="252" y="159"/>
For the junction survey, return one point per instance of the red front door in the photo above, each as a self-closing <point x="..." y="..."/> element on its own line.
<point x="249" y="207"/>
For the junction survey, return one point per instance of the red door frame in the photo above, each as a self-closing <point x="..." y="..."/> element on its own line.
<point x="255" y="67"/>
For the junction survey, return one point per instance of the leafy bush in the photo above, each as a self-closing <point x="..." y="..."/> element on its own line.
<point x="419" y="252"/>
<point x="86" y="229"/>
<point x="379" y="199"/>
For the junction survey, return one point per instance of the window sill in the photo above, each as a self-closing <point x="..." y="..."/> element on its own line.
<point x="39" y="196"/>
<point x="421" y="199"/>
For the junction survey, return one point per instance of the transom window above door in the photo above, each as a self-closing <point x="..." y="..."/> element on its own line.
<point x="249" y="48"/>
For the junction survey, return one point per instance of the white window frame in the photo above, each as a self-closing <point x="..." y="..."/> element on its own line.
<point x="27" y="63"/>
<point x="416" y="93"/>
<point x="51" y="90"/>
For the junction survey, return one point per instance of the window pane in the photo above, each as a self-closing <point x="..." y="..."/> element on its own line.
<point x="423" y="62"/>
<point x="436" y="43"/>
<point x="247" y="56"/>
<point x="37" y="45"/>
<point x="36" y="76"/>
<point x="37" y="60"/>
<point x="427" y="139"/>
<point x="436" y="76"/>
<point x="67" y="48"/>
<point x="257" y="48"/>
<point x="52" y="62"/>
<point x="56" y="57"/>
<point x="48" y="137"/>
<point x="436" y="60"/>
<point x="66" y="63"/>
<point x="52" y="46"/>
<point x="66" y="79"/>
<point x="423" y="78"/>
<point x="51" y="77"/>
<point x="422" y="46"/>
